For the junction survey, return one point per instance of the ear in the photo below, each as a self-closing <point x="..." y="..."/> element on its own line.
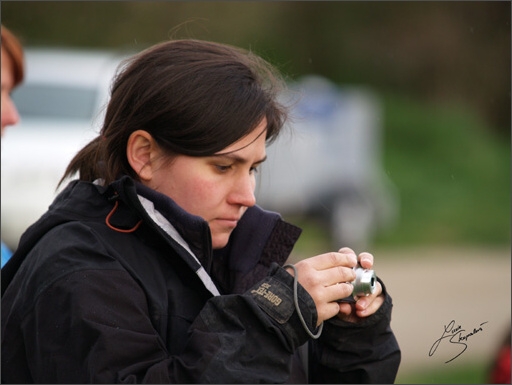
<point x="140" y="150"/>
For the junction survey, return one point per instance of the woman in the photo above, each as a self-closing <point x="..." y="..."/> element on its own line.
<point x="157" y="266"/>
<point x="12" y="76"/>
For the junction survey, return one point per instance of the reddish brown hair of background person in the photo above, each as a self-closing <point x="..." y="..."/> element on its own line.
<point x="12" y="47"/>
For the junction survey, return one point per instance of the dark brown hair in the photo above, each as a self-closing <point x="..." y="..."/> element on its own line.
<point x="12" y="47"/>
<point x="194" y="97"/>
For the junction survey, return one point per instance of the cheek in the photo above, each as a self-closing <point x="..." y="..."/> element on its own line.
<point x="196" y="196"/>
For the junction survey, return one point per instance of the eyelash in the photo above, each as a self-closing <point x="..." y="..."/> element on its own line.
<point x="224" y="169"/>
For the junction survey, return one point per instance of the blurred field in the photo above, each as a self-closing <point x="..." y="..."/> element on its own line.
<point x="430" y="287"/>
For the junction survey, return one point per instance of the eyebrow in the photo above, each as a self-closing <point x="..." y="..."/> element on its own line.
<point x="238" y="159"/>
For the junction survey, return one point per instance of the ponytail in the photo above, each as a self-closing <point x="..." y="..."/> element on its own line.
<point x="87" y="162"/>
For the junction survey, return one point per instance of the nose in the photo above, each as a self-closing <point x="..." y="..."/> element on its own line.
<point x="243" y="191"/>
<point x="10" y="114"/>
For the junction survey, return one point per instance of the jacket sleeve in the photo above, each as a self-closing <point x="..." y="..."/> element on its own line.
<point x="364" y="352"/>
<point x="105" y="334"/>
<point x="254" y="336"/>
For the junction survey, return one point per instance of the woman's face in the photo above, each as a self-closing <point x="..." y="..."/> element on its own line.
<point x="8" y="109"/>
<point x="218" y="188"/>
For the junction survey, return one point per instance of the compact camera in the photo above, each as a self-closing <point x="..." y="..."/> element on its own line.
<point x="364" y="284"/>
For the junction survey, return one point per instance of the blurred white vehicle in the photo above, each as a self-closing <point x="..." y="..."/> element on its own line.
<point x="329" y="163"/>
<point x="61" y="105"/>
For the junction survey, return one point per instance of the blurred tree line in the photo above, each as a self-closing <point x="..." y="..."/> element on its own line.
<point x="446" y="51"/>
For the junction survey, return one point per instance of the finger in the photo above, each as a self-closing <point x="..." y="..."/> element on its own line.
<point x="327" y="311"/>
<point x="365" y="260"/>
<point x="336" y="292"/>
<point x="371" y="309"/>
<point x="337" y="275"/>
<point x="346" y="308"/>
<point x="326" y="301"/>
<point x="333" y="259"/>
<point x="364" y="307"/>
<point x="369" y="304"/>
<point x="346" y="250"/>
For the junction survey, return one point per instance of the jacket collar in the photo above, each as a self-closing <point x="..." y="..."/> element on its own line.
<point x="260" y="238"/>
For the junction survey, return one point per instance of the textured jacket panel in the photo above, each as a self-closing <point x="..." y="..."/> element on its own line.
<point x="135" y="309"/>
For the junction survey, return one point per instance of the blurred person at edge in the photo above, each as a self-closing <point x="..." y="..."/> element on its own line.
<point x="499" y="370"/>
<point x="157" y="266"/>
<point x="12" y="76"/>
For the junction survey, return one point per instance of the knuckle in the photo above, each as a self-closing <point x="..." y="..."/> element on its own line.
<point x="335" y="258"/>
<point x="347" y="289"/>
<point x="346" y="274"/>
<point x="341" y="273"/>
<point x="346" y="250"/>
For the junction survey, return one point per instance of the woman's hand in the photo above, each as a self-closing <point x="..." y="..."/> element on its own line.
<point x="326" y="277"/>
<point x="364" y="306"/>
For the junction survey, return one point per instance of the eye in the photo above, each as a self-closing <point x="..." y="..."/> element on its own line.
<point x="254" y="169"/>
<point x="223" y="168"/>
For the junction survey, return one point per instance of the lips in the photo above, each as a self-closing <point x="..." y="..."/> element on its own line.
<point x="228" y="222"/>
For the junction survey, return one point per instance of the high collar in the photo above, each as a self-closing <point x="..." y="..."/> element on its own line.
<point x="261" y="237"/>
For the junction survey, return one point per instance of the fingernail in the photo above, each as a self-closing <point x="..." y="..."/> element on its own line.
<point x="365" y="258"/>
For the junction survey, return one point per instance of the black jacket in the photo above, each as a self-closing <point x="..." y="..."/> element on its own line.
<point x="119" y="284"/>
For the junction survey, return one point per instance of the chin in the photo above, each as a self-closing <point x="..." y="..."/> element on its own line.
<point x="220" y="241"/>
<point x="216" y="246"/>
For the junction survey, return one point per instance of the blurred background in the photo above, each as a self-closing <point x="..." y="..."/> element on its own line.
<point x="414" y="96"/>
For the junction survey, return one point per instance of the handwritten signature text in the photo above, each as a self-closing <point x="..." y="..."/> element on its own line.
<point x="455" y="334"/>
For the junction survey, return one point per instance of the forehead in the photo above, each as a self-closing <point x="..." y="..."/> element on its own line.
<point x="254" y="141"/>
